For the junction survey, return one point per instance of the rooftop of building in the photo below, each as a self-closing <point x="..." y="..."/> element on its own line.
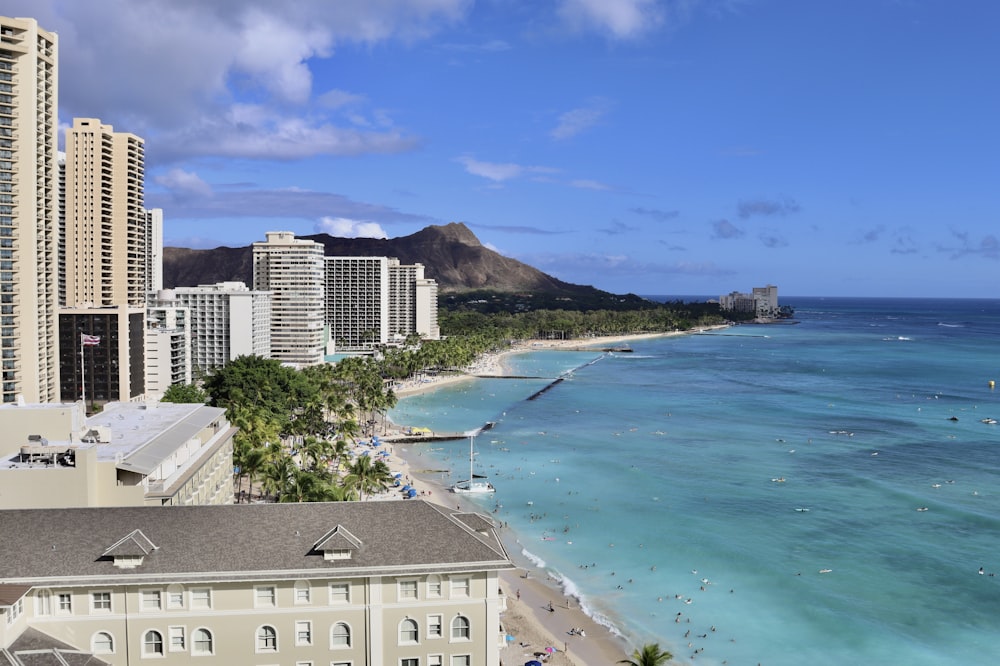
<point x="245" y="542"/>
<point x="137" y="436"/>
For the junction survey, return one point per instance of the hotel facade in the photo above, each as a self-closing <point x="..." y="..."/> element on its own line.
<point x="402" y="583"/>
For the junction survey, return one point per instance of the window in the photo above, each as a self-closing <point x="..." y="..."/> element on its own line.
<point x="459" y="587"/>
<point x="178" y="643"/>
<point x="65" y="602"/>
<point x="175" y="597"/>
<point x="408" y="632"/>
<point x="152" y="644"/>
<point x="102" y="643"/>
<point x="149" y="600"/>
<point x="340" y="593"/>
<point x="435" y="660"/>
<point x="433" y="586"/>
<point x="461" y="660"/>
<point x="201" y="598"/>
<point x="100" y="602"/>
<point x="340" y="636"/>
<point x="43" y="603"/>
<point x="303" y="592"/>
<point x="409" y="662"/>
<point x="267" y="639"/>
<point x="201" y="642"/>
<point x="340" y="663"/>
<point x="303" y="633"/>
<point x="460" y="628"/>
<point x="434" y="623"/>
<point x="264" y="596"/>
<point x="407" y="589"/>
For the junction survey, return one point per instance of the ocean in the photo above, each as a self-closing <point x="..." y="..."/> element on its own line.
<point x="819" y="493"/>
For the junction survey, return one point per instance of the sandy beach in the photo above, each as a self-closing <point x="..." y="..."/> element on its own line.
<point x="574" y="637"/>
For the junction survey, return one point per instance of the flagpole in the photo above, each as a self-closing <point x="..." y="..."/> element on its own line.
<point x="83" y="376"/>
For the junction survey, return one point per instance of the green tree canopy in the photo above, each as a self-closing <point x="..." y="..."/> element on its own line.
<point x="184" y="393"/>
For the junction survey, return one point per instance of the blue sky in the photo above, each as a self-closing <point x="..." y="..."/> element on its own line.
<point x="649" y="146"/>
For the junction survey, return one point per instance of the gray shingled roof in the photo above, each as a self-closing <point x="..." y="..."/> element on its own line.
<point x="241" y="541"/>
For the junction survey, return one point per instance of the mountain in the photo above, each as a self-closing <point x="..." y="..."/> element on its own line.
<point x="451" y="255"/>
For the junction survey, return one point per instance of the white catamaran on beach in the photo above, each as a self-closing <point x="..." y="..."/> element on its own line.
<point x="476" y="483"/>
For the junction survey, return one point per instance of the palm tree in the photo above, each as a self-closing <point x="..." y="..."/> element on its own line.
<point x="367" y="476"/>
<point x="251" y="462"/>
<point x="649" y="655"/>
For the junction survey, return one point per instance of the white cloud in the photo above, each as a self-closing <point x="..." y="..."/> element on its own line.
<point x="342" y="227"/>
<point x="173" y="70"/>
<point x="181" y="182"/>
<point x="575" y="121"/>
<point x="591" y="185"/>
<point x="622" y="19"/>
<point x="500" y="171"/>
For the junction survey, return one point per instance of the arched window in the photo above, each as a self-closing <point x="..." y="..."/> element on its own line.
<point x="460" y="628"/>
<point x="43" y="603"/>
<point x="102" y="643"/>
<point x="408" y="631"/>
<point x="340" y="636"/>
<point x="434" y="585"/>
<point x="303" y="592"/>
<point x="202" y="642"/>
<point x="152" y="643"/>
<point x="267" y="639"/>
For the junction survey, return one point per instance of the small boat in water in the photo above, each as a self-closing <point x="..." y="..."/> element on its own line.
<point x="476" y="483"/>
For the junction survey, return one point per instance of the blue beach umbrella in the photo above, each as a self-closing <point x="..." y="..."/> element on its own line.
<point x="412" y="493"/>
<point x="533" y="662"/>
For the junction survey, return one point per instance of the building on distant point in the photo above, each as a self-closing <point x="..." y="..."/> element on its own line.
<point x="227" y="320"/>
<point x="29" y="195"/>
<point x="383" y="583"/>
<point x="168" y="348"/>
<point x="131" y="454"/>
<point x="292" y="270"/>
<point x="762" y="302"/>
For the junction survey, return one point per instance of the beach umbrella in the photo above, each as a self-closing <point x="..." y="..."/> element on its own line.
<point x="533" y="662"/>
<point x="550" y="649"/>
<point x="406" y="487"/>
<point x="412" y="493"/>
<point x="398" y="474"/>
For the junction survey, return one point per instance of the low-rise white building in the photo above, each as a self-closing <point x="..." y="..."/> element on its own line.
<point x="130" y="454"/>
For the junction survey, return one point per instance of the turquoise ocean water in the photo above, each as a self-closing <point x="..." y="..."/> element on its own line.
<point x="717" y="476"/>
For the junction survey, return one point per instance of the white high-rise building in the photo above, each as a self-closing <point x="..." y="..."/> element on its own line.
<point x="227" y="320"/>
<point x="357" y="302"/>
<point x="292" y="270"/>
<point x="412" y="302"/>
<point x="154" y="250"/>
<point x="168" y="348"/>
<point x="29" y="182"/>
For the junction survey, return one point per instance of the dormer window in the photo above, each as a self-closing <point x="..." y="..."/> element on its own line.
<point x="337" y="544"/>
<point x="129" y="551"/>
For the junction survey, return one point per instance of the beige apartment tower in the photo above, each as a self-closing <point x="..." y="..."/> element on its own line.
<point x="29" y="186"/>
<point x="105" y="235"/>
<point x="292" y="270"/>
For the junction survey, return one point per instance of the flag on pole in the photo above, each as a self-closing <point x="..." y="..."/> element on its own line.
<point x="90" y="340"/>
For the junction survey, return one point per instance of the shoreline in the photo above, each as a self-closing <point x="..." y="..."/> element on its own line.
<point x="527" y="618"/>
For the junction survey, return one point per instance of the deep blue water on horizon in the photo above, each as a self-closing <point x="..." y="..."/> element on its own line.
<point x="718" y="475"/>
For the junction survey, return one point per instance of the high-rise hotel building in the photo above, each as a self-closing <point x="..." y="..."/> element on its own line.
<point x="357" y="302"/>
<point x="105" y="218"/>
<point x="292" y="270"/>
<point x="28" y="211"/>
